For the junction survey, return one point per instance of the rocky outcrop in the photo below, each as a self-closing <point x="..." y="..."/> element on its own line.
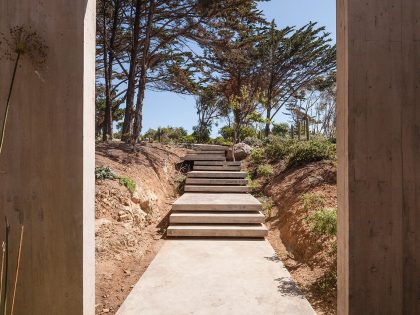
<point x="242" y="151"/>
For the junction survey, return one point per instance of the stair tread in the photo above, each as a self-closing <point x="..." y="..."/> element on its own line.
<point x="204" y="157"/>
<point x="217" y="199"/>
<point x="216" y="181"/>
<point x="216" y="168"/>
<point x="217" y="174"/>
<point x="215" y="188"/>
<point x="256" y="226"/>
<point x="216" y="163"/>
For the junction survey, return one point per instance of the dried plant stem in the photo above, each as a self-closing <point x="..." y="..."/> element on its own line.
<point x="6" y="269"/>
<point x="2" y="269"/>
<point x="17" y="269"/>
<point x="6" y="112"/>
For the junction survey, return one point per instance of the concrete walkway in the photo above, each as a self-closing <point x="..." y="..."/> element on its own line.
<point x="216" y="277"/>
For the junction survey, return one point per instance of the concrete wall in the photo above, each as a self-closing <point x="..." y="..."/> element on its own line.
<point x="47" y="169"/>
<point x="379" y="156"/>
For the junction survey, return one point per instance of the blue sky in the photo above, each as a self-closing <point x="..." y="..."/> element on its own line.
<point x="170" y="109"/>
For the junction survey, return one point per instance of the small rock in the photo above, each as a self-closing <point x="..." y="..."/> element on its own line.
<point x="105" y="310"/>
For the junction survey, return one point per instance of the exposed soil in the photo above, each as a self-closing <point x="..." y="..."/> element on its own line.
<point x="310" y="259"/>
<point x="129" y="225"/>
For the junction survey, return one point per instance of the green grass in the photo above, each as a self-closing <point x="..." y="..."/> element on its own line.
<point x="128" y="182"/>
<point x="265" y="171"/>
<point x="324" y="222"/>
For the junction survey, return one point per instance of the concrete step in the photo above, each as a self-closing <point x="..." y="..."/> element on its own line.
<point x="217" y="217"/>
<point x="209" y="147"/>
<point x="216" y="174"/>
<point x="217" y="163"/>
<point x="221" y="189"/>
<point x="205" y="152"/>
<point x="251" y="230"/>
<point x="216" y="202"/>
<point x="216" y="181"/>
<point x="204" y="157"/>
<point x="217" y="168"/>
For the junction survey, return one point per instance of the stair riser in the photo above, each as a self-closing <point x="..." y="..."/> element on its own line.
<point x="217" y="168"/>
<point x="209" y="181"/>
<point x="226" y="189"/>
<point x="218" y="233"/>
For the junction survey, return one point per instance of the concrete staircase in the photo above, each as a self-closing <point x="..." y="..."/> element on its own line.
<point x="216" y="202"/>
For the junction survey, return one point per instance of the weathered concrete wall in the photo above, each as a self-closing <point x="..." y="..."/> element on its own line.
<point x="47" y="169"/>
<point x="379" y="156"/>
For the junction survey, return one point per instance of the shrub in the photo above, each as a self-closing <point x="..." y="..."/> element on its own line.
<point x="257" y="156"/>
<point x="103" y="172"/>
<point x="221" y="141"/>
<point x="253" y="185"/>
<point x="253" y="141"/>
<point x="324" y="221"/>
<point x="187" y="139"/>
<point x="265" y="170"/>
<point x="313" y="202"/>
<point x="279" y="149"/>
<point x="280" y="129"/>
<point x="303" y="152"/>
<point x="128" y="182"/>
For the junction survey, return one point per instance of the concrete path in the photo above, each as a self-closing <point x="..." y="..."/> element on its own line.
<point x="216" y="277"/>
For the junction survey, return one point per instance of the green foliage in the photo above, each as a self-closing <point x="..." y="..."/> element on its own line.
<point x="257" y="156"/>
<point x="103" y="172"/>
<point x="228" y="133"/>
<point x="253" y="185"/>
<point x="128" y="182"/>
<point x="324" y="222"/>
<point x="253" y="141"/>
<point x="188" y="139"/>
<point x="267" y="206"/>
<point x="279" y="148"/>
<point x="221" y="141"/>
<point x="265" y="170"/>
<point x="166" y="134"/>
<point x="303" y="152"/>
<point x="280" y="130"/>
<point x="313" y="201"/>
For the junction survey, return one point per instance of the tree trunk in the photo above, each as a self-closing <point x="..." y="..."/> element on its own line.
<point x="107" y="114"/>
<point x="138" y="116"/>
<point x="307" y="127"/>
<point x="237" y="125"/>
<point x="131" y="82"/>
<point x="268" y="117"/>
<point x="298" y="129"/>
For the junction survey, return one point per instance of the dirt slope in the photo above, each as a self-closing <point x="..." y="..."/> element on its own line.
<point x="130" y="225"/>
<point x="310" y="259"/>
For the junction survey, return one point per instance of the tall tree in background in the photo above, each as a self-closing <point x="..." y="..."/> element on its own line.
<point x="292" y="59"/>
<point x="210" y="107"/>
<point x="230" y="58"/>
